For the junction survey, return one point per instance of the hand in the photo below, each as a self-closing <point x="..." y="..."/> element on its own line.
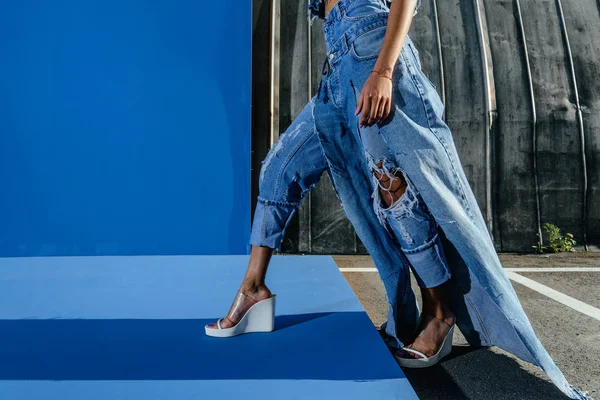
<point x="375" y="100"/>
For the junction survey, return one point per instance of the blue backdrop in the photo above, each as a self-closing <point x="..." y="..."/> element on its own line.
<point x="124" y="127"/>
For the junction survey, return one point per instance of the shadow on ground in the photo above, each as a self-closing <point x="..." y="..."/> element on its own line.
<point x="171" y="349"/>
<point x="480" y="374"/>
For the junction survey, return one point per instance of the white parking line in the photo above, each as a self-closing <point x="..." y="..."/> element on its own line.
<point x="550" y="269"/>
<point x="511" y="273"/>
<point x="556" y="295"/>
<point x="358" y="269"/>
<point x="554" y="269"/>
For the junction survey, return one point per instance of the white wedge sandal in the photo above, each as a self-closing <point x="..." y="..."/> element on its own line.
<point x="260" y="317"/>
<point x="425" y="361"/>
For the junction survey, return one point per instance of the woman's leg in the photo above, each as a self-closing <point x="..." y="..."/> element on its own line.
<point x="253" y="286"/>
<point x="416" y="230"/>
<point x="395" y="199"/>
<point x="399" y="206"/>
<point x="353" y="185"/>
<point x="291" y="168"/>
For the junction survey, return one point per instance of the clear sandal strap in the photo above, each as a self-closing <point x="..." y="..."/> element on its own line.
<point x="415" y="352"/>
<point x="441" y="319"/>
<point x="235" y="313"/>
<point x="428" y="343"/>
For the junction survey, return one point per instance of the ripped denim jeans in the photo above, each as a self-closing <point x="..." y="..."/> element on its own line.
<point x="354" y="31"/>
<point x="421" y="147"/>
<point x="407" y="217"/>
<point x="293" y="165"/>
<point x="291" y="168"/>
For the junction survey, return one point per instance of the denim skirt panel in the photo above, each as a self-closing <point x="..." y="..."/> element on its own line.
<point x="291" y="168"/>
<point x="487" y="308"/>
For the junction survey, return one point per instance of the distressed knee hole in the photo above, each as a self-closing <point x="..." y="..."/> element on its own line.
<point x="391" y="186"/>
<point x="393" y="194"/>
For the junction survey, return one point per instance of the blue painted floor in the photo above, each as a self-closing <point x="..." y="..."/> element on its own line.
<point x="133" y="328"/>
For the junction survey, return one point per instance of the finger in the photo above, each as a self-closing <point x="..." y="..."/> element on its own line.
<point x="388" y="109"/>
<point x="359" y="103"/>
<point x="381" y="109"/>
<point x="375" y="104"/>
<point x="366" y="109"/>
<point x="373" y="110"/>
<point x="362" y="107"/>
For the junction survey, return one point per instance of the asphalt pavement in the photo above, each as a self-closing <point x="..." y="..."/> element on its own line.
<point x="561" y="297"/>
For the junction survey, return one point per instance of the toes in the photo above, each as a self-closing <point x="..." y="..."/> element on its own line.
<point x="214" y="325"/>
<point x="407" y="354"/>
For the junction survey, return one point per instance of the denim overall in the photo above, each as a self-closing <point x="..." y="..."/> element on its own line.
<point x="487" y="309"/>
<point x="420" y="144"/>
<point x="291" y="168"/>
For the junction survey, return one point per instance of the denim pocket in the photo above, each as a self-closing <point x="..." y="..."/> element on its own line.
<point x="368" y="45"/>
<point x="354" y="11"/>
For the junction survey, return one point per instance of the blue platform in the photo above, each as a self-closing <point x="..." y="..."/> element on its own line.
<point x="133" y="328"/>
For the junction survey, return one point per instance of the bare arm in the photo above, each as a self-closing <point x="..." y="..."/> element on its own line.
<point x="375" y="97"/>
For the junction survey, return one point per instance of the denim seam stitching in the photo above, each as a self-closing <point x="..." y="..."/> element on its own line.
<point x="412" y="73"/>
<point x="415" y="53"/>
<point x="353" y="50"/>
<point x="364" y="30"/>
<point x="426" y="109"/>
<point x="462" y="190"/>
<point x="277" y="203"/>
<point x="478" y="317"/>
<point x="285" y="226"/>
<point x="362" y="58"/>
<point x="341" y="45"/>
<point x="337" y="103"/>
<point x="371" y="14"/>
<point x="390" y="273"/>
<point x="407" y="287"/>
<point x="423" y="247"/>
<point x="263" y="224"/>
<point x="476" y="312"/>
<point x="287" y="161"/>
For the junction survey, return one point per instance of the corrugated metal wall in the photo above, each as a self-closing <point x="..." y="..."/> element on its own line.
<point x="520" y="79"/>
